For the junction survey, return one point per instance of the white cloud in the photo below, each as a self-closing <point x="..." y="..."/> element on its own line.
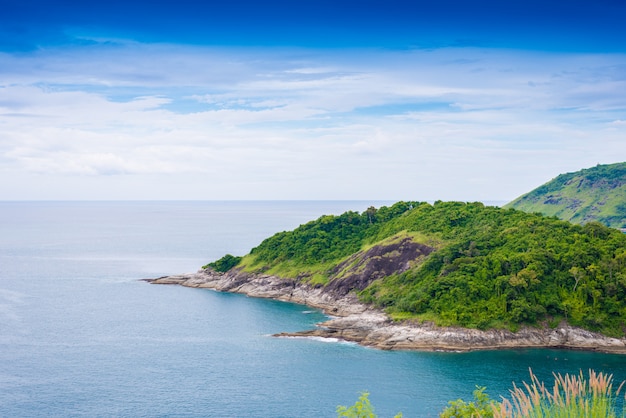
<point x="452" y="123"/>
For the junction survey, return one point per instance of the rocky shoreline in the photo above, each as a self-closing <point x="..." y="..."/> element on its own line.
<point x="356" y="322"/>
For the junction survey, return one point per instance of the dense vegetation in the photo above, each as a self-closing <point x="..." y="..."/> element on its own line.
<point x="491" y="267"/>
<point x="505" y="267"/>
<point x="225" y="263"/>
<point x="593" y="194"/>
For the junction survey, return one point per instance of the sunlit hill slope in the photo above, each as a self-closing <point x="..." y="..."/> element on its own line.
<point x="593" y="194"/>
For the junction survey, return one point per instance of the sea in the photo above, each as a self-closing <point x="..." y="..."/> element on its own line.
<point x="81" y="335"/>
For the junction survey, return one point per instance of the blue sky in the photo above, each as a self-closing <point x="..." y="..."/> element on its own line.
<point x="419" y="100"/>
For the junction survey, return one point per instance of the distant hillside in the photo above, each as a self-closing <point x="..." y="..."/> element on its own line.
<point x="593" y="194"/>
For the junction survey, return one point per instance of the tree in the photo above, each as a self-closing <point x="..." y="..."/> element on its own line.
<point x="578" y="274"/>
<point x="371" y="212"/>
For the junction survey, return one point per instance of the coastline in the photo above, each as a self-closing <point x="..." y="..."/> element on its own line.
<point x="356" y="322"/>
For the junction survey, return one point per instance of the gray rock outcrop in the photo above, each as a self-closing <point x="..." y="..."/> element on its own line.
<point x="357" y="322"/>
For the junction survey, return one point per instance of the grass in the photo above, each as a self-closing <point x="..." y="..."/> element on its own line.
<point x="312" y="274"/>
<point x="597" y="194"/>
<point x="570" y="396"/>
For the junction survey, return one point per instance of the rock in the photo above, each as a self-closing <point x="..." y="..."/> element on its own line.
<point x="357" y="322"/>
<point x="363" y="267"/>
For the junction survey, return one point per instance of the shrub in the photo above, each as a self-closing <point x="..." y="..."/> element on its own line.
<point x="481" y="407"/>
<point x="361" y="409"/>
<point x="225" y="263"/>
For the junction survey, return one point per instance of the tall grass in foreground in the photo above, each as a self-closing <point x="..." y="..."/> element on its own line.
<point x="571" y="396"/>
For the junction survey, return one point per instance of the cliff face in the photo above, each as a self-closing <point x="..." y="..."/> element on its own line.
<point x="360" y="323"/>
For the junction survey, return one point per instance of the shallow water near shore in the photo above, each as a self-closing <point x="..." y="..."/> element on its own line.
<point x="81" y="335"/>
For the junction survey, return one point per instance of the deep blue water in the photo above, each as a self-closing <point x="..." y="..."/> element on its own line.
<point x="80" y="335"/>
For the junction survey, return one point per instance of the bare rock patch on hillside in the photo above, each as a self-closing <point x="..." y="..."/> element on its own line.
<point x="362" y="268"/>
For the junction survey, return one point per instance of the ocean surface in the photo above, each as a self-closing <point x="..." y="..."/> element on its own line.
<point x="82" y="336"/>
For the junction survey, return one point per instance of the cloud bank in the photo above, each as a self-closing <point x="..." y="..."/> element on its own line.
<point x="121" y="120"/>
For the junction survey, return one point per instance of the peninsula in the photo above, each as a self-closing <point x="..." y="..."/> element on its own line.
<point x="444" y="276"/>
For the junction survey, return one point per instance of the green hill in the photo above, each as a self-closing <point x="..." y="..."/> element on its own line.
<point x="593" y="194"/>
<point x="456" y="263"/>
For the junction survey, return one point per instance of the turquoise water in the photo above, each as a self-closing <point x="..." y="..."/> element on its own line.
<point x="80" y="335"/>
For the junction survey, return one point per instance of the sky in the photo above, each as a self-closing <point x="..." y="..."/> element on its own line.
<point x="306" y="100"/>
